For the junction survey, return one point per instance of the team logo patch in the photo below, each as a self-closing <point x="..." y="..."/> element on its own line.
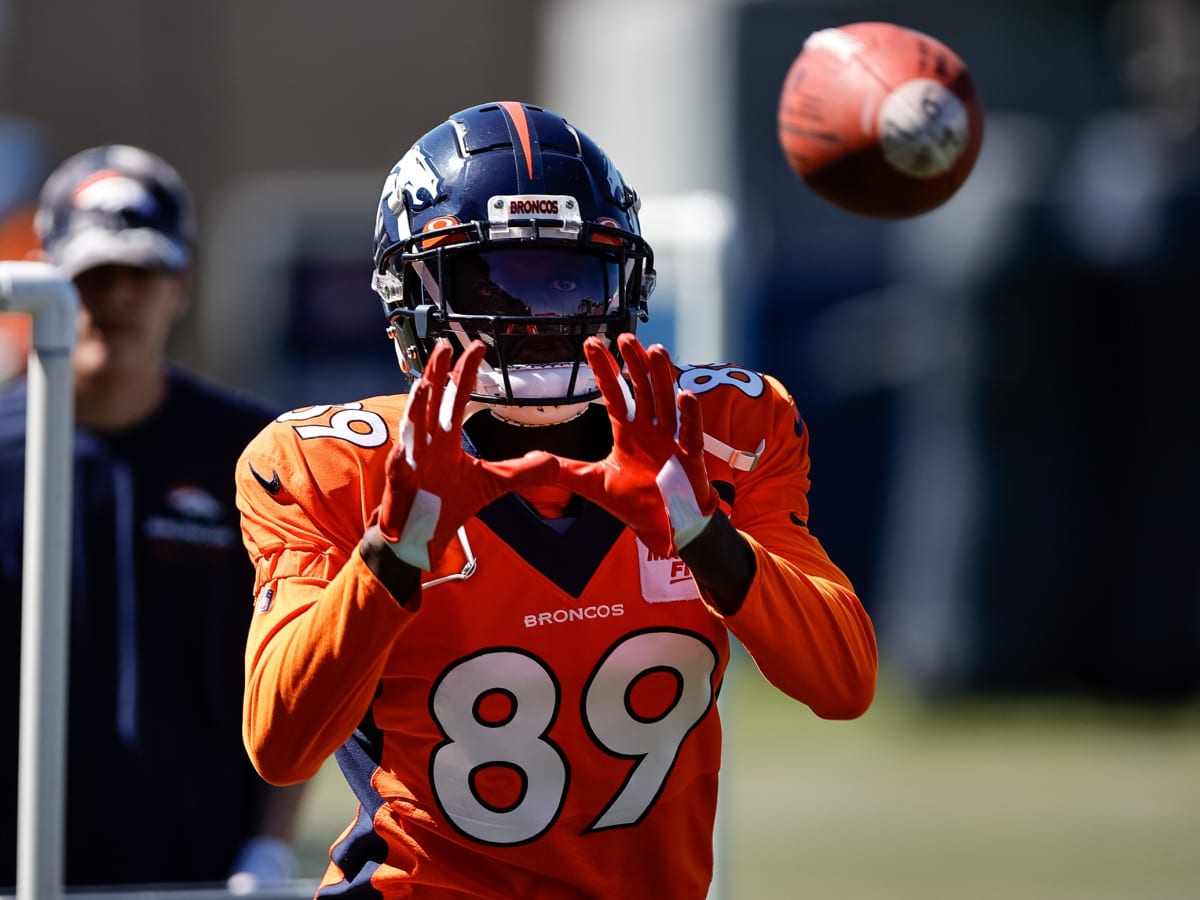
<point x="665" y="579"/>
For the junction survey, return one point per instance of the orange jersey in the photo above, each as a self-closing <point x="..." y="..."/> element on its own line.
<point x="543" y="723"/>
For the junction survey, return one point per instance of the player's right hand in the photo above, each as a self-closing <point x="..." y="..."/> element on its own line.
<point x="655" y="479"/>
<point x="433" y="486"/>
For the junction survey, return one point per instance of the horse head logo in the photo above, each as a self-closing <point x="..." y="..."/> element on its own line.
<point x="413" y="182"/>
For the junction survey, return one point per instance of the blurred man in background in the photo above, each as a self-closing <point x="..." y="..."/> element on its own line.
<point x="159" y="788"/>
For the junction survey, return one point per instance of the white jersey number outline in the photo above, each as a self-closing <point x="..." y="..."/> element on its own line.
<point x="340" y="424"/>
<point x="702" y="379"/>
<point x="521" y="741"/>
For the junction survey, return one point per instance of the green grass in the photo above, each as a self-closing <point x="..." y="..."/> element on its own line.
<point x="982" y="800"/>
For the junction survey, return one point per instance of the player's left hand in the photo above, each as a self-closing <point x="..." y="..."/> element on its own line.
<point x="655" y="479"/>
<point x="433" y="486"/>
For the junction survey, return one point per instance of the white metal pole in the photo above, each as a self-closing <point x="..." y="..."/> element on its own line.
<point x="40" y="289"/>
<point x="696" y="229"/>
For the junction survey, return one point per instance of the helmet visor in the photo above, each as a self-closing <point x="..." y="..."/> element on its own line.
<point x="531" y="282"/>
<point x="533" y="306"/>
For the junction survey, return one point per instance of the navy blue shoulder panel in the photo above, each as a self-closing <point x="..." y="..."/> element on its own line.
<point x="361" y="850"/>
<point x="568" y="559"/>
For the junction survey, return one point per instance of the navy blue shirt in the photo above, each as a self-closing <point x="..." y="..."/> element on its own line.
<point x="159" y="787"/>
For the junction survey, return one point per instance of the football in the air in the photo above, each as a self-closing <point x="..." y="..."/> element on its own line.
<point x="880" y="120"/>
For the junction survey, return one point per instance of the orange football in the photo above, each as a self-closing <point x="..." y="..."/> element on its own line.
<point x="880" y="120"/>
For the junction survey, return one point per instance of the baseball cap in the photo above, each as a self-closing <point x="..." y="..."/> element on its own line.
<point x="115" y="204"/>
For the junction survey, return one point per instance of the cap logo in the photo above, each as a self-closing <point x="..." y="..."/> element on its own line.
<point x="108" y="191"/>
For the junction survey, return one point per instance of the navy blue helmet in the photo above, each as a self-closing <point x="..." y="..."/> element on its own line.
<point x="507" y="224"/>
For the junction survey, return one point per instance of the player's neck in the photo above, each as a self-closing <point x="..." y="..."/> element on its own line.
<point x="113" y="400"/>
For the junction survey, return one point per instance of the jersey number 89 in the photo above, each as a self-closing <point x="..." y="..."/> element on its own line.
<point x="519" y="740"/>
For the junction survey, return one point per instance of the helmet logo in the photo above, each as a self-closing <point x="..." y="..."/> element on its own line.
<point x="413" y="182"/>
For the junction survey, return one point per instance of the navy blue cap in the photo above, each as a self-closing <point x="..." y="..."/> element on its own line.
<point x="116" y="204"/>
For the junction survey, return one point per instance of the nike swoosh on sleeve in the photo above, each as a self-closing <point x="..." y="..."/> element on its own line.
<point x="273" y="486"/>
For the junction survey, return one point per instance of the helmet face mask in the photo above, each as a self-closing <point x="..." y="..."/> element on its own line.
<point x="506" y="225"/>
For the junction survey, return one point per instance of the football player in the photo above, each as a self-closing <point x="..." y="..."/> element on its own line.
<point x="505" y="599"/>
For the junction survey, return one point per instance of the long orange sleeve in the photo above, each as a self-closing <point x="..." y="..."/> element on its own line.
<point x="313" y="664"/>
<point x="808" y="633"/>
<point x="801" y="620"/>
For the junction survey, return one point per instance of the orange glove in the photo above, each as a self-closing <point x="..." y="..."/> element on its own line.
<point x="433" y="487"/>
<point x="655" y="479"/>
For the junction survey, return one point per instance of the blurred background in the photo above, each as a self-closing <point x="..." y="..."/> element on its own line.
<point x="1001" y="394"/>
